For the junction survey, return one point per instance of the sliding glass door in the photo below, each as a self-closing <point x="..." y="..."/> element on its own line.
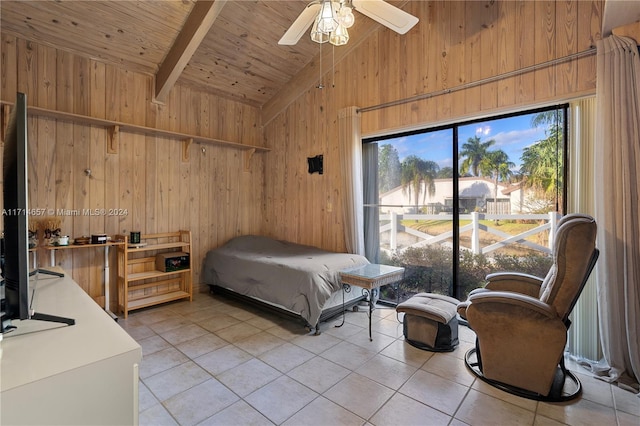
<point x="455" y="203"/>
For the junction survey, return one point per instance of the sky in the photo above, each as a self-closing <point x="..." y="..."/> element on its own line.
<point x="511" y="135"/>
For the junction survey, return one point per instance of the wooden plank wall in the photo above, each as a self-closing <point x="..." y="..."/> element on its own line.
<point x="211" y="194"/>
<point x="454" y="43"/>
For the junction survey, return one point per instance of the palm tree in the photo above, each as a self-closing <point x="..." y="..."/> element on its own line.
<point x="473" y="151"/>
<point x="414" y="172"/>
<point x="497" y="164"/>
<point x="542" y="161"/>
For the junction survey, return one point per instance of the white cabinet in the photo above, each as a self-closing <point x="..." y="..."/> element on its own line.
<point x="84" y="374"/>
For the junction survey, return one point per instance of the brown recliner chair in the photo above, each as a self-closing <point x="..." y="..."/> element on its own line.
<point x="521" y="321"/>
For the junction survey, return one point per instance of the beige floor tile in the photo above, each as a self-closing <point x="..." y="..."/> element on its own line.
<point x="316" y="344"/>
<point x="153" y="344"/>
<point x="626" y="401"/>
<point x="218" y="322"/>
<point x="343" y="332"/>
<point x="578" y="412"/>
<point x="265" y="321"/>
<point x="348" y="355"/>
<point x="405" y="411"/>
<point x="595" y="390"/>
<point x="448" y="366"/>
<point x="404" y="352"/>
<point x="288" y="330"/>
<point x="387" y="371"/>
<point x="238" y="332"/>
<point x="379" y="342"/>
<point x="249" y="376"/>
<point x="359" y="395"/>
<point x="222" y="359"/>
<point x="200" y="402"/>
<point x="138" y="331"/>
<point x="626" y="419"/>
<point x="152" y="316"/>
<point x="465" y="334"/>
<point x="238" y="414"/>
<point x="322" y="412"/>
<point x="361" y="318"/>
<point x="439" y="384"/>
<point x="145" y="398"/>
<point x="259" y="343"/>
<point x="201" y="345"/>
<point x="545" y="421"/>
<point x="388" y="326"/>
<point x="169" y="324"/>
<point x="200" y="314"/>
<point x="527" y="404"/>
<point x="156" y="416"/>
<point x="286" y="357"/>
<point x="481" y="409"/>
<point x="281" y="399"/>
<point x="319" y="374"/>
<point x="178" y="379"/>
<point x="435" y="391"/>
<point x="183" y="334"/>
<point x="161" y="361"/>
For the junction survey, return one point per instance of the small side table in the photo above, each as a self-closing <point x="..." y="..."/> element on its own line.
<point x="371" y="276"/>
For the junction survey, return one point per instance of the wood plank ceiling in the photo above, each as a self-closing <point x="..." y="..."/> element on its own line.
<point x="238" y="58"/>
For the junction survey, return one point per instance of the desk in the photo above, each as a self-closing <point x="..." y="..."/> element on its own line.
<point x="371" y="276"/>
<point x="106" y="246"/>
<point x="84" y="374"/>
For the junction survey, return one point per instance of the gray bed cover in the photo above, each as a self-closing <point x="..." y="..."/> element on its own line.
<point x="298" y="277"/>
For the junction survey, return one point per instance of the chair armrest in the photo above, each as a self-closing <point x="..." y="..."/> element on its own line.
<point x="515" y="282"/>
<point x="510" y="300"/>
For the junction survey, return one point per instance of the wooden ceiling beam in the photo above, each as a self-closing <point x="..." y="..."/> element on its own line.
<point x="195" y="29"/>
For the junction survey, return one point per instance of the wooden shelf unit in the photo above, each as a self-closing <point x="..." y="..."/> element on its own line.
<point x="140" y="284"/>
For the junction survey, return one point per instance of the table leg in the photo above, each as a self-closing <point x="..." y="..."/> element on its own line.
<point x="370" y="314"/>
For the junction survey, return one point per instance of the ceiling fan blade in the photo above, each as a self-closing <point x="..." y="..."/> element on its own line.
<point x="388" y="15"/>
<point x="301" y="24"/>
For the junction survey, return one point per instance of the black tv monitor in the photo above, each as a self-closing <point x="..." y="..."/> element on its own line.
<point x="15" y="208"/>
<point x="15" y="268"/>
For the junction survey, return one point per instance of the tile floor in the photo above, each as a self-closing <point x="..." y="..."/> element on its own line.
<point x="216" y="362"/>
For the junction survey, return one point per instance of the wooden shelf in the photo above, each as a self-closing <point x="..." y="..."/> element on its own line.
<point x="115" y="127"/>
<point x="136" y="264"/>
<point x="79" y="246"/>
<point x="157" y="299"/>
<point x="158" y="247"/>
<point x="154" y="274"/>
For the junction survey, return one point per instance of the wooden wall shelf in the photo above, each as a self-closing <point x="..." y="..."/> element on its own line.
<point x="115" y="127"/>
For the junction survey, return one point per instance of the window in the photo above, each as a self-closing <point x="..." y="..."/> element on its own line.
<point x="454" y="203"/>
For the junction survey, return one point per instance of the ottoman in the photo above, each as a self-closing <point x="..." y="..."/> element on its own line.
<point x="430" y="322"/>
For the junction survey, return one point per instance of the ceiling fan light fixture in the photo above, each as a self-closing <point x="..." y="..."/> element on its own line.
<point x="327" y="17"/>
<point x="317" y="35"/>
<point x="345" y="16"/>
<point x="340" y="36"/>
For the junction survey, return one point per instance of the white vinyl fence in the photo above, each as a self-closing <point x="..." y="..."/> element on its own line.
<point x="394" y="226"/>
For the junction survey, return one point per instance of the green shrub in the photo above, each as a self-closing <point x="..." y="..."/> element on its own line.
<point x="430" y="269"/>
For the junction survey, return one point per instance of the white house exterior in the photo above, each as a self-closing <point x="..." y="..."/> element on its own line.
<point x="476" y="194"/>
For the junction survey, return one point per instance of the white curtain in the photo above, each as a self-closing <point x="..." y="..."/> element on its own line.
<point x="617" y="159"/>
<point x="584" y="341"/>
<point x="351" y="168"/>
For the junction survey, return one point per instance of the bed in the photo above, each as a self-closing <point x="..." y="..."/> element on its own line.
<point x="301" y="280"/>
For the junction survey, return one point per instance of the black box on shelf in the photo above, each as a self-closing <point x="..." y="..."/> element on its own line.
<point x="174" y="261"/>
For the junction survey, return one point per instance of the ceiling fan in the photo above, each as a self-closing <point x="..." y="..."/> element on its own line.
<point x="331" y="18"/>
